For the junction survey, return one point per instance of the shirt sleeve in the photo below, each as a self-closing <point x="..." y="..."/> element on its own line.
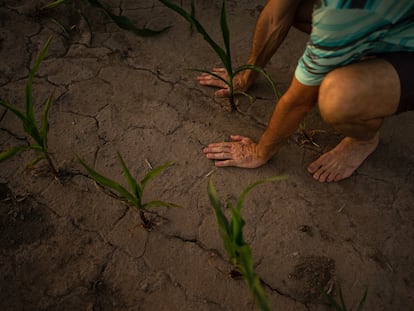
<point x="338" y="37"/>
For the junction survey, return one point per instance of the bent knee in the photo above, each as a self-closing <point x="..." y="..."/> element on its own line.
<point x="338" y="96"/>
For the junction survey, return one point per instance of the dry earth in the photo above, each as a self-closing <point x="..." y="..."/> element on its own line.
<point x="68" y="246"/>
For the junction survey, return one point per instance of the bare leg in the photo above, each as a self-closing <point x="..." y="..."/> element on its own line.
<point x="354" y="100"/>
<point x="271" y="29"/>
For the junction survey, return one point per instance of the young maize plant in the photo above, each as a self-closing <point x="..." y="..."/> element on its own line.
<point x="134" y="196"/>
<point x="27" y="117"/>
<point x="122" y="22"/>
<point x="223" y="54"/>
<point x="231" y="233"/>
<point x="341" y="306"/>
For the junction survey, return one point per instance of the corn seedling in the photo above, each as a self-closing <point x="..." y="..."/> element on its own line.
<point x="134" y="196"/>
<point x="122" y="22"/>
<point x="231" y="233"/>
<point x="223" y="54"/>
<point x="341" y="306"/>
<point x="27" y="117"/>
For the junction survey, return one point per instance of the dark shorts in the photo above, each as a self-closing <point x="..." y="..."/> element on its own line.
<point x="403" y="62"/>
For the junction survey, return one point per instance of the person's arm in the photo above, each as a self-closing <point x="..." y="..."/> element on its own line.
<point x="271" y="29"/>
<point x="286" y="117"/>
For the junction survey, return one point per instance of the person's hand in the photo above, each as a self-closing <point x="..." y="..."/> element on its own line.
<point x="240" y="152"/>
<point x="239" y="84"/>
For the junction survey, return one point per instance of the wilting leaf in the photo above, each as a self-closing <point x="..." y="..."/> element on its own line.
<point x="125" y="23"/>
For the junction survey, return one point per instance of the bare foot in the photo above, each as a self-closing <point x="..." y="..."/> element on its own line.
<point x="343" y="160"/>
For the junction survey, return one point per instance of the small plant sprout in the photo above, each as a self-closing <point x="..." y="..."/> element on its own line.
<point x="231" y="233"/>
<point x="341" y="306"/>
<point x="134" y="196"/>
<point x="223" y="54"/>
<point x="27" y="117"/>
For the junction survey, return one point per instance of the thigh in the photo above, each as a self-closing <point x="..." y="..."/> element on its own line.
<point x="403" y="63"/>
<point x="365" y="90"/>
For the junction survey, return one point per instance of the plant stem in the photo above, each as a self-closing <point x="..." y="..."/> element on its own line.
<point x="52" y="166"/>
<point x="231" y="92"/>
<point x="232" y="103"/>
<point x="145" y="222"/>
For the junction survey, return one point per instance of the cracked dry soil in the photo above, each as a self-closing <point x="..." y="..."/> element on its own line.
<point x="68" y="246"/>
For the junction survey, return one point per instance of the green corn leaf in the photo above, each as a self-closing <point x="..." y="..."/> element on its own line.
<point x="253" y="185"/>
<point x="28" y="92"/>
<point x="200" y="29"/>
<point x="36" y="147"/>
<point x="192" y="13"/>
<point x="13" y="109"/>
<point x="237" y="224"/>
<point x="225" y="32"/>
<point x="250" y="97"/>
<point x="104" y="181"/>
<point x="136" y="190"/>
<point x="154" y="172"/>
<point x="11" y="152"/>
<point x="44" y="126"/>
<point x="125" y="23"/>
<point x="362" y="302"/>
<point x="210" y="73"/>
<point x="54" y="4"/>
<point x="217" y="205"/>
<point x="332" y="301"/>
<point x="88" y="24"/>
<point x="341" y="297"/>
<point x="264" y="73"/>
<point x="62" y="28"/>
<point x="239" y="252"/>
<point x="31" y="129"/>
<point x="36" y="160"/>
<point x="158" y="203"/>
<point x="260" y="295"/>
<point x="223" y="224"/>
<point x="246" y="264"/>
<point x="230" y="245"/>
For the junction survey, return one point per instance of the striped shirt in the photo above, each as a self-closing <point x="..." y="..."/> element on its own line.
<point x="344" y="31"/>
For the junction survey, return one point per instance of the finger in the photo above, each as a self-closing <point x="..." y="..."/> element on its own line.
<point x="219" y="70"/>
<point x="221" y="144"/>
<point x="225" y="163"/>
<point x="224" y="92"/>
<point x="219" y="156"/>
<point x="236" y="137"/>
<point x="213" y="82"/>
<point x="241" y="138"/>
<point x="203" y="76"/>
<point x="207" y="76"/>
<point x="216" y="149"/>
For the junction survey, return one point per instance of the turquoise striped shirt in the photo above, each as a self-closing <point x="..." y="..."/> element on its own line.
<point x="344" y="31"/>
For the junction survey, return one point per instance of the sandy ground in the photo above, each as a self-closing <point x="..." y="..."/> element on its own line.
<point x="68" y="246"/>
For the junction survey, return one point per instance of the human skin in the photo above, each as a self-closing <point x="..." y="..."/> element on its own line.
<point x="271" y="29"/>
<point x="354" y="100"/>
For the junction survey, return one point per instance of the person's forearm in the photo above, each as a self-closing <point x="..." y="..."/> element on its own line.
<point x="272" y="27"/>
<point x="287" y="115"/>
